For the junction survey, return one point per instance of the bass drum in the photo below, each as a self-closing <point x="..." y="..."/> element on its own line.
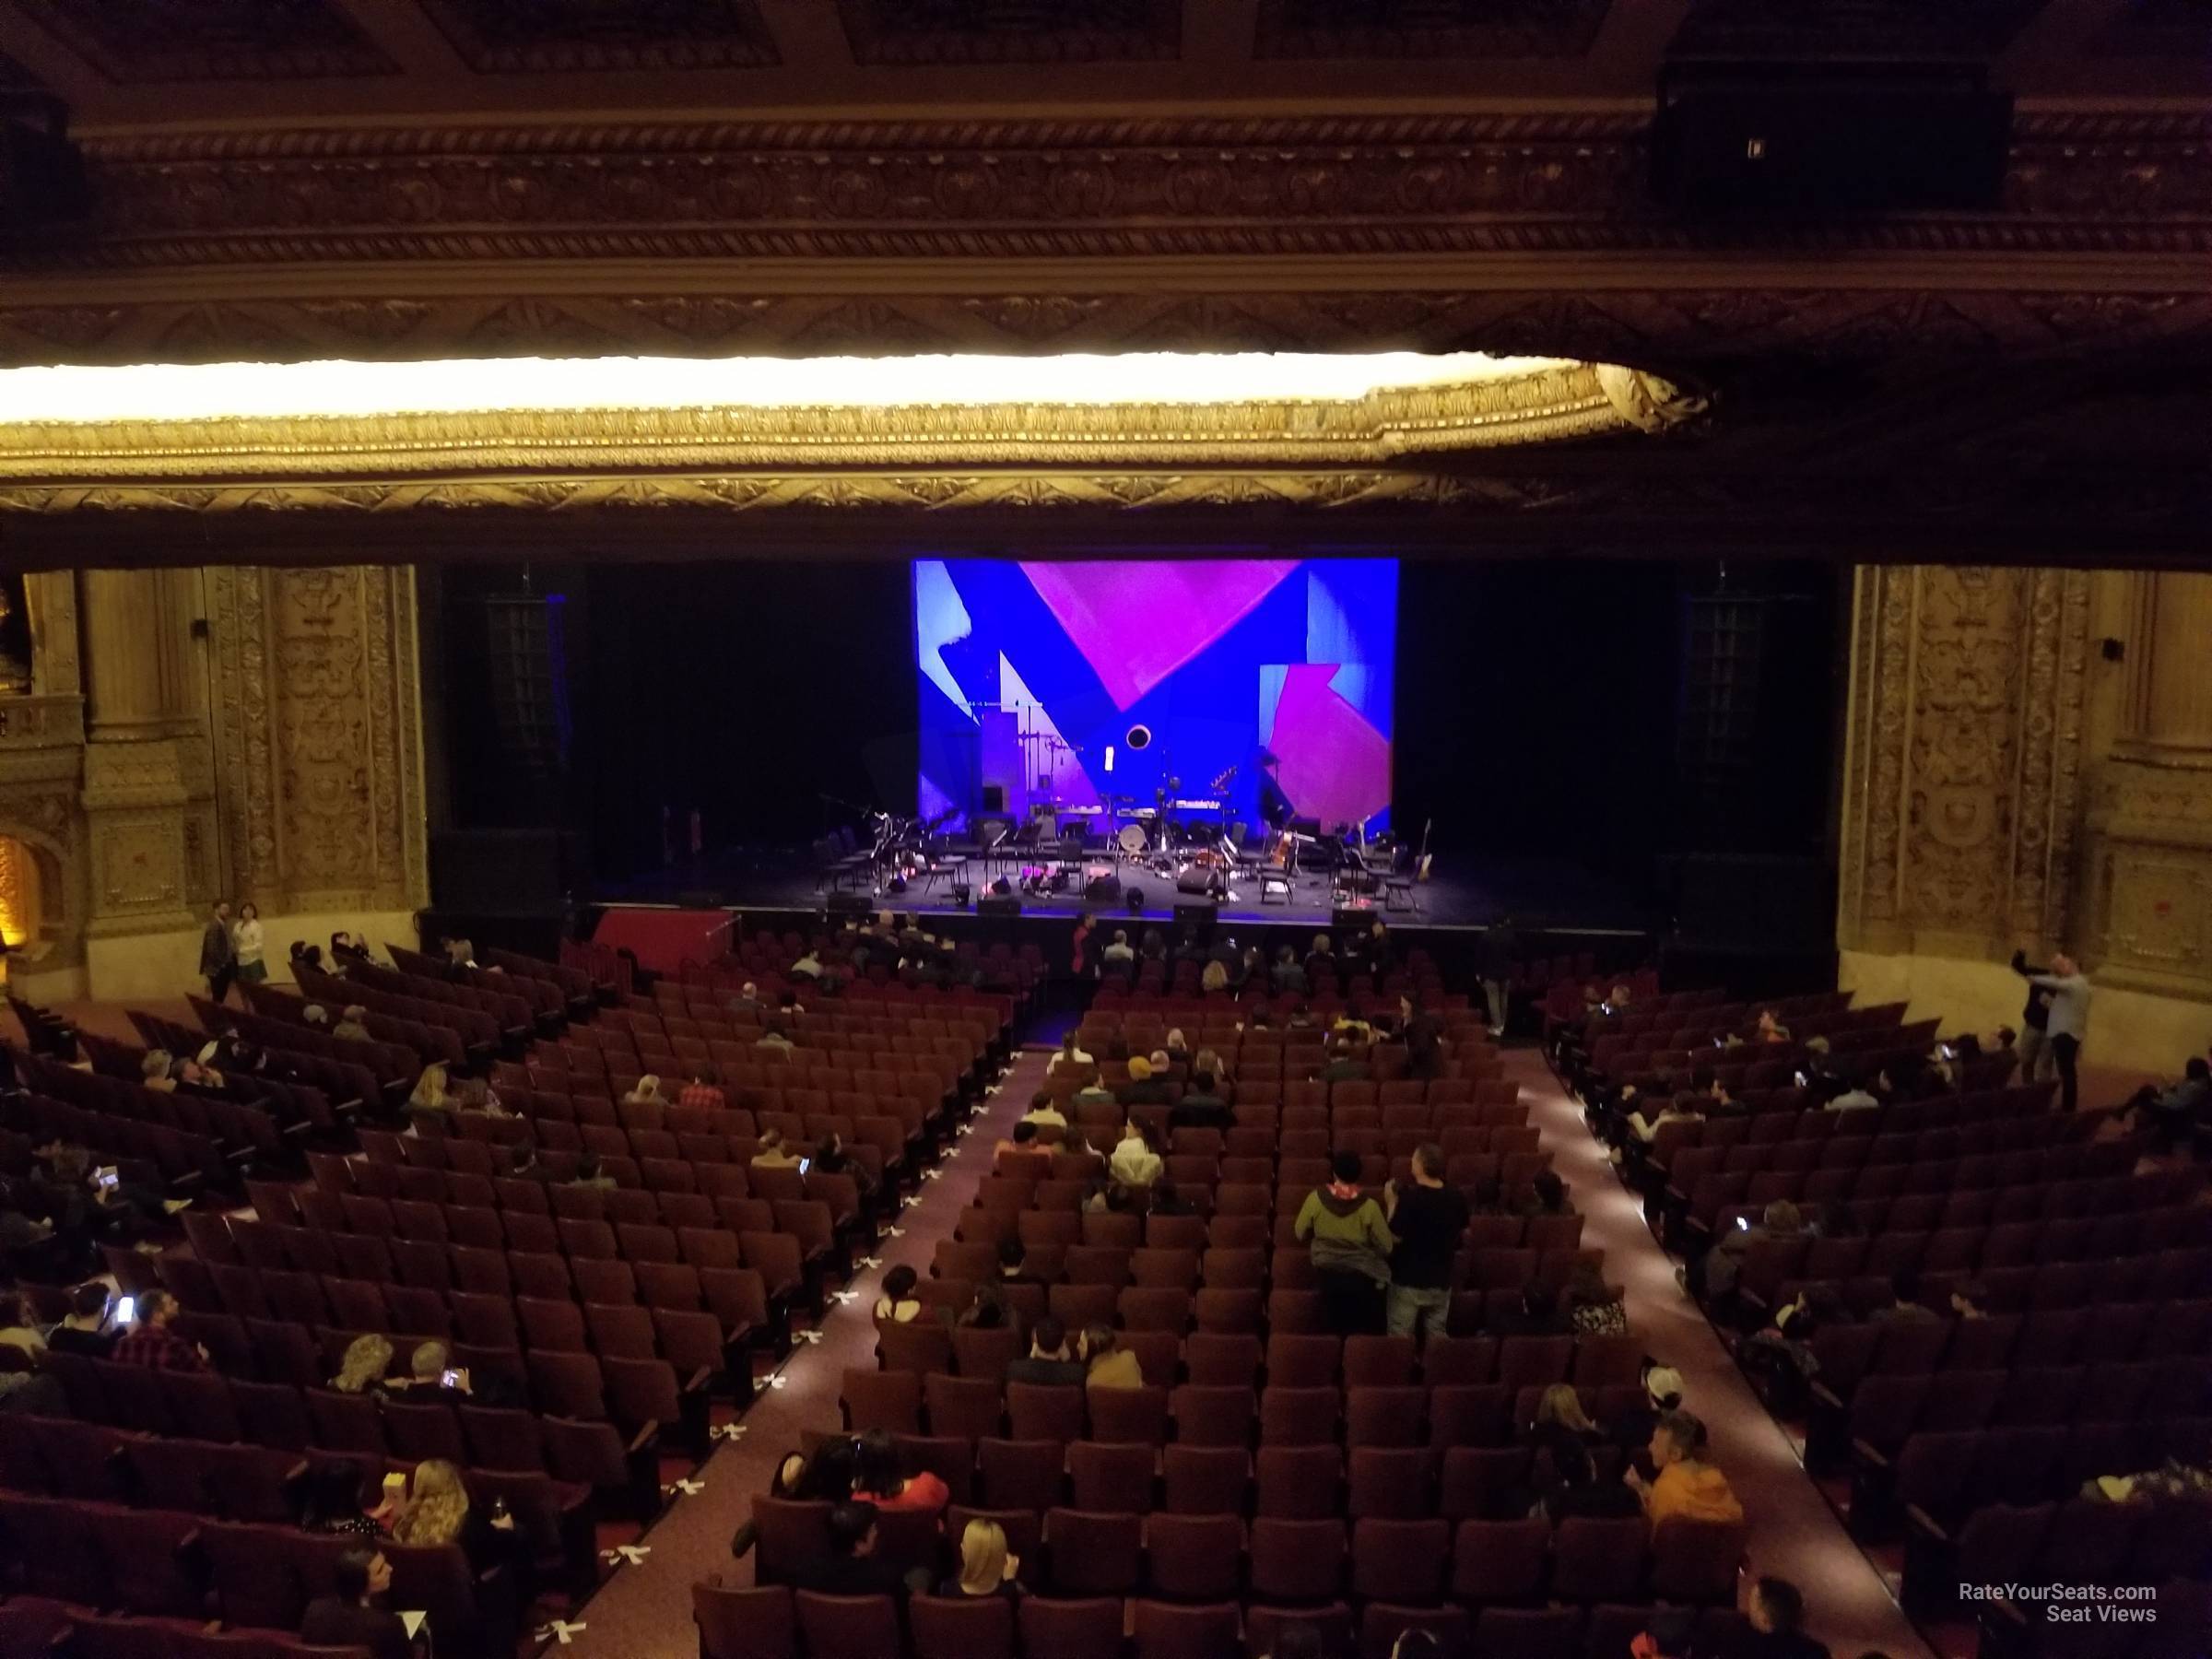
<point x="1131" y="838"/>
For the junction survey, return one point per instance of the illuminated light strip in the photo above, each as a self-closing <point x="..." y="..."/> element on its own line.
<point x="183" y="392"/>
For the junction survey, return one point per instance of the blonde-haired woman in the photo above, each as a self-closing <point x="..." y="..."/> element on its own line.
<point x="987" y="1566"/>
<point x="362" y="1369"/>
<point x="430" y="1092"/>
<point x="437" y="1511"/>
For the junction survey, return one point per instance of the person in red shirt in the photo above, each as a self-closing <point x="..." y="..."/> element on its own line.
<point x="699" y="1092"/>
<point x="151" y="1343"/>
<point x="880" y="1480"/>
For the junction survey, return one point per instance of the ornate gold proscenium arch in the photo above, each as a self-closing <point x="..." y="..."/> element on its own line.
<point x="713" y="433"/>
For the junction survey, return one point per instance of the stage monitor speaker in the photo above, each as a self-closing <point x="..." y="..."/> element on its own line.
<point x="1360" y="916"/>
<point x="995" y="905"/>
<point x="1103" y="890"/>
<point x="1804" y="139"/>
<point x="847" y="904"/>
<point x="1194" y="880"/>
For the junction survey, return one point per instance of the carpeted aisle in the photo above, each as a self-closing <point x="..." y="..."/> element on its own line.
<point x="1794" y="1532"/>
<point x="644" y="1612"/>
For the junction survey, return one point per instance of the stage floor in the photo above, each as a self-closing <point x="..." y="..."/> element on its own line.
<point x="1536" y="893"/>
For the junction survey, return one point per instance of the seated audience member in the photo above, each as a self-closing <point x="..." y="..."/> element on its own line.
<point x="1969" y="1301"/>
<point x="1135" y="1161"/>
<point x="426" y="1384"/>
<point x="1780" y="1360"/>
<point x="151" y="1343"/>
<point x="852" y="1566"/>
<point x="589" y="1173"/>
<point x="156" y="1071"/>
<point x="1643" y="1127"/>
<point x="2180" y="1109"/>
<point x="1071" y="1057"/>
<point x="430" y="1093"/>
<point x="1143" y="1088"/>
<point x="1213" y="979"/>
<point x="1022" y="1153"/>
<point x="1561" y="1422"/>
<point x="1631" y="1430"/>
<point x="1771" y="1029"/>
<point x="699" y="1094"/>
<point x="988" y="1311"/>
<point x="1351" y="1244"/>
<point x="1049" y="1362"/>
<point x="1594" y="1307"/>
<point x="1345" y="1063"/>
<point x="1107" y="1364"/>
<point x="353" y="1024"/>
<point x="351" y="1615"/>
<point x="367" y="1357"/>
<point x="895" y="1301"/>
<point x="1687" y="1488"/>
<point x="1856" y="1097"/>
<point x="1119" y="954"/>
<point x="1547" y="1195"/>
<point x="437" y="1511"/>
<point x="1578" y="1492"/>
<point x="1714" y="1275"/>
<point x="82" y="1330"/>
<point x="21" y="1331"/>
<point x="1538" y="1314"/>
<point x="522" y="1165"/>
<point x="773" y="1037"/>
<point x="1486" y="1196"/>
<point x="1013" y="1263"/>
<point x="1667" y="1635"/>
<point x="647" y="1092"/>
<point x="986" y="1567"/>
<point x="333" y="1502"/>
<point x="1288" y="976"/>
<point x="1211" y="1063"/>
<point x="824" y="1478"/>
<point x="1905" y="1306"/>
<point x="1202" y="1108"/>
<point x="1776" y="1613"/>
<point x="1042" y="1114"/>
<point x="880" y="1481"/>
<point x="2172" y="1481"/>
<point x="1094" y="1091"/>
<point x="771" y="1153"/>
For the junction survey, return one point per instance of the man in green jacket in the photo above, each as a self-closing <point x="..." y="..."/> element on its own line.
<point x="1351" y="1245"/>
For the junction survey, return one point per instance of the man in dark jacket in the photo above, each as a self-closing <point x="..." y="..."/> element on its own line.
<point x="1497" y="953"/>
<point x="219" y="953"/>
<point x="852" y="1566"/>
<point x="349" y="1617"/>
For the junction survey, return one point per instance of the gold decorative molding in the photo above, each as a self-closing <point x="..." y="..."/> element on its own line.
<point x="1539" y="403"/>
<point x="1087" y="188"/>
<point x="317" y="736"/>
<point x="1963" y="763"/>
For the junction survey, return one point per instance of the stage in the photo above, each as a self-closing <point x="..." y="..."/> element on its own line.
<point x="763" y="886"/>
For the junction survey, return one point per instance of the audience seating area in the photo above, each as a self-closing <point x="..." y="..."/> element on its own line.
<point x="1956" y="1448"/>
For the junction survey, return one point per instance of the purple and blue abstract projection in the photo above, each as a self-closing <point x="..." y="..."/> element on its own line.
<point x="1058" y="686"/>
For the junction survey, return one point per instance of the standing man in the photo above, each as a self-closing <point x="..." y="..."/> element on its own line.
<point x="1495" y="955"/>
<point x="2069" y="1018"/>
<point x="1428" y="1220"/>
<point x="2035" y="1021"/>
<point x="219" y="953"/>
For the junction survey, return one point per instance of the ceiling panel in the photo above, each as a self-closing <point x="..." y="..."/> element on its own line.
<point x="514" y="36"/>
<point x="1891" y="30"/>
<point x="1429" y="28"/>
<point x="146" y="41"/>
<point x="2158" y="29"/>
<point x="885" y="32"/>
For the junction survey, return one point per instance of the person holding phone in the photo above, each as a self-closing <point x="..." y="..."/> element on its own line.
<point x="432" y="1376"/>
<point x="151" y="1343"/>
<point x="84" y="1329"/>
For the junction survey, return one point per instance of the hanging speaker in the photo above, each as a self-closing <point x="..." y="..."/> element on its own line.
<point x="1137" y="736"/>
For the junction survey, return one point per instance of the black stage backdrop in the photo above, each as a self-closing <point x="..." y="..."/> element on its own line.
<point x="749" y="692"/>
<point x="1542" y="707"/>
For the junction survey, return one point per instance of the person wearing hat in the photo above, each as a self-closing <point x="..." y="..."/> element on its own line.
<point x="1147" y="1084"/>
<point x="1631" y="1430"/>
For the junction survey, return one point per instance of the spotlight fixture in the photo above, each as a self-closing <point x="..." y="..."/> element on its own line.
<point x="1138" y="736"/>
